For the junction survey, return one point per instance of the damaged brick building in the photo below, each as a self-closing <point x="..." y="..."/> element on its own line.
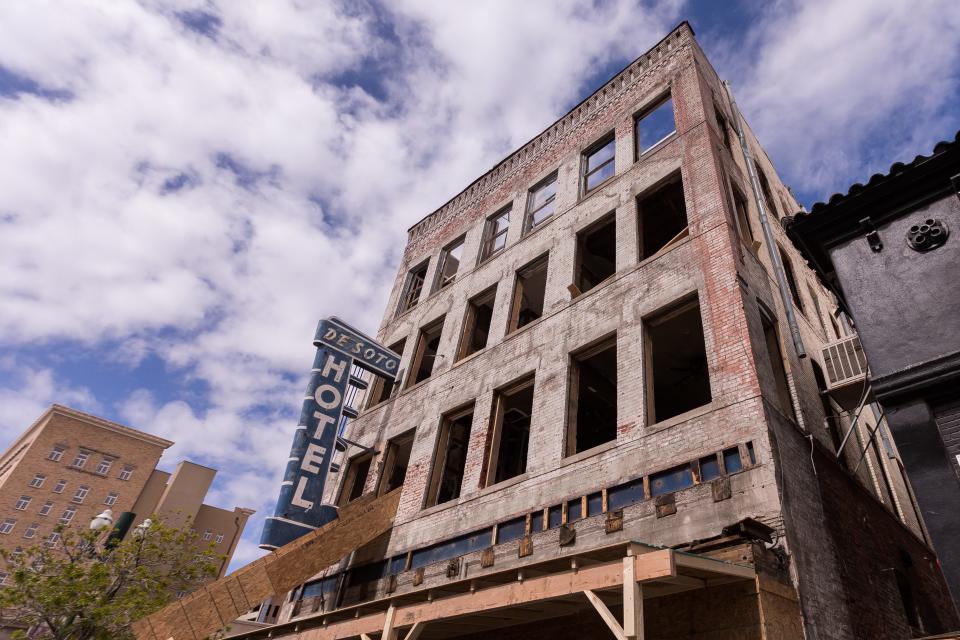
<point x="621" y="407"/>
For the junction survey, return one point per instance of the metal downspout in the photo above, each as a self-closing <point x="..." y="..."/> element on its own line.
<point x="767" y="233"/>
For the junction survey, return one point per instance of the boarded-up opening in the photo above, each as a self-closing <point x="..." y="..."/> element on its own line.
<point x="450" y="459"/>
<point x="396" y="462"/>
<point x="357" y="471"/>
<point x="513" y="409"/>
<point x="381" y="388"/>
<point x="476" y="325"/>
<point x="771" y="336"/>
<point x="596" y="253"/>
<point x="426" y="354"/>
<point x="677" y="362"/>
<point x="529" y="293"/>
<point x="593" y="397"/>
<point x="662" y="215"/>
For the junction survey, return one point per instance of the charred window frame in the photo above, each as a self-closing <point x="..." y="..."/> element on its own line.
<point x="529" y="294"/>
<point x="510" y="432"/>
<point x="495" y="233"/>
<point x="596" y="258"/>
<point x="426" y="354"/>
<point x="598" y="163"/>
<point x="413" y="287"/>
<point x="450" y="260"/>
<point x="661" y="216"/>
<point x="541" y="202"/>
<point x="592" y="408"/>
<point x="395" y="462"/>
<point x="450" y="458"/>
<point x="675" y="354"/>
<point x="771" y="336"/>
<point x="722" y="126"/>
<point x="791" y="279"/>
<point x="382" y="389"/>
<point x="767" y="193"/>
<point x="654" y="125"/>
<point x="355" y="479"/>
<point x="476" y="323"/>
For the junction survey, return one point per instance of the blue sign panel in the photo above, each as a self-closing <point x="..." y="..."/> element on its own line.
<point x="299" y="509"/>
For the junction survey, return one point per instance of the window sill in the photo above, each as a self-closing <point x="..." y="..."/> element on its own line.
<point x="503" y="484"/>
<point x="588" y="453"/>
<point x="681" y="418"/>
<point x="670" y="137"/>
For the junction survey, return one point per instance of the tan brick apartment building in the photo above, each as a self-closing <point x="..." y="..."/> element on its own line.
<point x="598" y="368"/>
<point x="69" y="466"/>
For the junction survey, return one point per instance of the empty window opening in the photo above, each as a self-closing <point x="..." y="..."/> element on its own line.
<point x="817" y="310"/>
<point x="677" y="362"/>
<point x="382" y="388"/>
<point x="836" y="327"/>
<point x="495" y="233"/>
<point x="832" y="419"/>
<point x="529" y="294"/>
<point x="476" y="325"/>
<point x="767" y="194"/>
<point x="593" y="398"/>
<point x="513" y="408"/>
<point x="426" y="354"/>
<point x="743" y="218"/>
<point x="598" y="163"/>
<point x="771" y="336"/>
<point x="451" y="458"/>
<point x="357" y="471"/>
<point x="596" y="254"/>
<point x="791" y="279"/>
<point x="396" y="463"/>
<point x="413" y="287"/>
<point x="655" y="125"/>
<point x="541" y="201"/>
<point x="662" y="216"/>
<point x="449" y="263"/>
<point x="722" y="126"/>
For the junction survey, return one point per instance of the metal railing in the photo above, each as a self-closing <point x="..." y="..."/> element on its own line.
<point x="844" y="361"/>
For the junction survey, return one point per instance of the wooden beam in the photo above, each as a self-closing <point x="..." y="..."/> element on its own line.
<point x="415" y="631"/>
<point x="604" y="612"/>
<point x="364" y="636"/>
<point x="389" y="632"/>
<point x="633" y="598"/>
<point x="704" y="563"/>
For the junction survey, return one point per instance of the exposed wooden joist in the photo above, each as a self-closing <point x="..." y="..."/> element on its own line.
<point x="605" y="614"/>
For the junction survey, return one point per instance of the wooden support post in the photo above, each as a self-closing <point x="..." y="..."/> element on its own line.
<point x="604" y="612"/>
<point x="389" y="633"/>
<point x="632" y="601"/>
<point x="415" y="631"/>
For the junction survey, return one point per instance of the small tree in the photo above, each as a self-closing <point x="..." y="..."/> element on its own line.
<point x="82" y="589"/>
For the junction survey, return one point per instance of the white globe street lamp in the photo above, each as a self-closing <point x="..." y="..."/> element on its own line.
<point x="102" y="521"/>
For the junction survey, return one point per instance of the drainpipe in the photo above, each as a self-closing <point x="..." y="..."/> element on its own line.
<point x="767" y="233"/>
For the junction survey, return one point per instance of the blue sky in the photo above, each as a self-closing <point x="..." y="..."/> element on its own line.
<point x="187" y="186"/>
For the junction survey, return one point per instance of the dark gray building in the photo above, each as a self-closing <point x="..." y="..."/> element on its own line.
<point x="890" y="249"/>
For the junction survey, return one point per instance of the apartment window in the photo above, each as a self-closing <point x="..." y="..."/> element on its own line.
<point x="598" y="163"/>
<point x="767" y="194"/>
<point x="528" y="294"/>
<point x="103" y="467"/>
<point x="111" y="499"/>
<point x="31" y="531"/>
<point x="662" y="216"/>
<point x="593" y="397"/>
<point x="655" y="125"/>
<point x="60" y="486"/>
<point x="510" y="433"/>
<point x="382" y="388"/>
<point x="23" y="503"/>
<point x="495" y="233"/>
<point x="357" y="471"/>
<point x="541" y="202"/>
<point x="38" y="481"/>
<point x="476" y="325"/>
<point x="56" y="454"/>
<point x="722" y="126"/>
<point x="743" y="218"/>
<point x="791" y="279"/>
<point x="449" y="263"/>
<point x="80" y="460"/>
<point x="207" y="535"/>
<point x="52" y="540"/>
<point x="450" y="459"/>
<point x="219" y="539"/>
<point x="4" y="578"/>
<point x="678" y="380"/>
<point x="817" y="310"/>
<point x="7" y="526"/>
<point x="80" y="494"/>
<point x="426" y="354"/>
<point x="67" y="516"/>
<point x="413" y="287"/>
<point x="396" y="462"/>
<point x="126" y="472"/>
<point x="596" y="254"/>
<point x="46" y="508"/>
<point x="771" y="337"/>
